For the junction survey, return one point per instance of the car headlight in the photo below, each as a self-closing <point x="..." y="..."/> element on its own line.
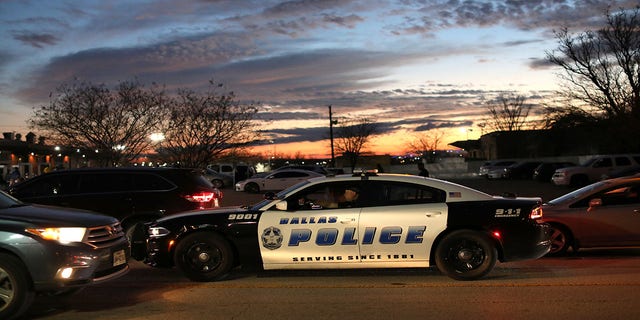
<point x="157" y="232"/>
<point x="62" y="235"/>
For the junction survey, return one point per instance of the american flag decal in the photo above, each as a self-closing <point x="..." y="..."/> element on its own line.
<point x="455" y="194"/>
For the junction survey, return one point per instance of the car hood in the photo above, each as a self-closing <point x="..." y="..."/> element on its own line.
<point x="40" y="215"/>
<point x="217" y="211"/>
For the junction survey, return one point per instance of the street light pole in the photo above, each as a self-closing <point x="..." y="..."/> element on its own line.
<point x="333" y="159"/>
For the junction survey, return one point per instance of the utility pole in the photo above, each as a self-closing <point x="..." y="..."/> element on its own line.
<point x="331" y="123"/>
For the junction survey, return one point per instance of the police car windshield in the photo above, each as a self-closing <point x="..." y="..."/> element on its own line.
<point x="280" y="195"/>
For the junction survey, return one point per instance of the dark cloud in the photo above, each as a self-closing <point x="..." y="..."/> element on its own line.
<point x="36" y="40"/>
<point x="525" y="15"/>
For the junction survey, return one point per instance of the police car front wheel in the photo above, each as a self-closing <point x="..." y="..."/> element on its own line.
<point x="204" y="256"/>
<point x="466" y="255"/>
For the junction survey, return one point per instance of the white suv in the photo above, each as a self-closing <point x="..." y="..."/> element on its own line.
<point x="593" y="169"/>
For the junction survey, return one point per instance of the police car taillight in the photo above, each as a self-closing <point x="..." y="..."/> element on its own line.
<point x="536" y="213"/>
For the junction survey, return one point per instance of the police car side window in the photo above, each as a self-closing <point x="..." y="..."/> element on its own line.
<point x="403" y="193"/>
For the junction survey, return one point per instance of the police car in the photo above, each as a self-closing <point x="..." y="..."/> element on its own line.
<point x="387" y="221"/>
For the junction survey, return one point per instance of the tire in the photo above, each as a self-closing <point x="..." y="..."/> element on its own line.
<point x="217" y="183"/>
<point x="466" y="255"/>
<point x="252" y="187"/>
<point x="16" y="293"/>
<point x="204" y="256"/>
<point x="561" y="240"/>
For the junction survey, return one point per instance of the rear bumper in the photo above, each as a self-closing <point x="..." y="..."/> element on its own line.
<point x="532" y="243"/>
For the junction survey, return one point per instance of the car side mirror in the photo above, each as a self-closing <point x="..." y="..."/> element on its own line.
<point x="594" y="203"/>
<point x="281" y="205"/>
<point x="270" y="196"/>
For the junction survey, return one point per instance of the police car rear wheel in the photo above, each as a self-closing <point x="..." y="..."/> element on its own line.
<point x="466" y="255"/>
<point x="204" y="256"/>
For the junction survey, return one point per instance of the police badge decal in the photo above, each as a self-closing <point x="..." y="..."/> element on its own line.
<point x="272" y="238"/>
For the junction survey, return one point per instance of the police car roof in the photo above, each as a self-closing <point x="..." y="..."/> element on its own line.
<point x="456" y="192"/>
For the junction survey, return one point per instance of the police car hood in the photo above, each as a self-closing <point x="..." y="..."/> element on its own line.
<point x="39" y="215"/>
<point x="217" y="211"/>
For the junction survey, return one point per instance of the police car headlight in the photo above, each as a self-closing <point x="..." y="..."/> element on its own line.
<point x="157" y="232"/>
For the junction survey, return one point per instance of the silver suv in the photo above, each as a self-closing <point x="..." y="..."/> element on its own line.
<point x="593" y="169"/>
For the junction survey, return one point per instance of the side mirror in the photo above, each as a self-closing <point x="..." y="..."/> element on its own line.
<point x="281" y="205"/>
<point x="270" y="196"/>
<point x="594" y="203"/>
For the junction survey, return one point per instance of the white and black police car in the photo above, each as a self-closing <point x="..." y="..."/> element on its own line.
<point x="353" y="221"/>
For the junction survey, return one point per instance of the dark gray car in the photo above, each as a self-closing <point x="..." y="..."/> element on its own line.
<point x="54" y="250"/>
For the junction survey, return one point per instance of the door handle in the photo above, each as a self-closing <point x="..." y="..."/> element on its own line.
<point x="433" y="214"/>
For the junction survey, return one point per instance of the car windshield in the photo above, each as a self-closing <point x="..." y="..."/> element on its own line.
<point x="577" y="193"/>
<point x="7" y="201"/>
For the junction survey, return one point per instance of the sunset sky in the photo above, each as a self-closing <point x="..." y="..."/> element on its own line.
<point x="411" y="65"/>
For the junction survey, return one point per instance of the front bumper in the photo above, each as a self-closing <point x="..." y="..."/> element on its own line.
<point x="159" y="251"/>
<point x="56" y="266"/>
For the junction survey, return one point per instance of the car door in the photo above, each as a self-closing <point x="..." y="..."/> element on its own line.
<point x="107" y="193"/>
<point x="399" y="223"/>
<point x="307" y="235"/>
<point x="614" y="220"/>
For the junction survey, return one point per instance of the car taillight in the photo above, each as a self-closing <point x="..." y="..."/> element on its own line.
<point x="205" y="197"/>
<point x="202" y="196"/>
<point x="536" y="213"/>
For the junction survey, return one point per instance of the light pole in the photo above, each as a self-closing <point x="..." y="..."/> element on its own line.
<point x="331" y="123"/>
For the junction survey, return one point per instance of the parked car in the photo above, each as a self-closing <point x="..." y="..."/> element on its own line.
<point x="354" y="221"/>
<point x="276" y="180"/>
<point x="49" y="250"/>
<point x="494" y="165"/>
<point x="131" y="195"/>
<point x="625" y="172"/>
<point x="545" y="170"/>
<point x="218" y="180"/>
<point x="309" y="167"/>
<point x="521" y="170"/>
<point x="593" y="169"/>
<point x="603" y="214"/>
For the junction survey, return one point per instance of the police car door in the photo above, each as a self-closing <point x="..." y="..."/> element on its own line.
<point x="310" y="234"/>
<point x="397" y="228"/>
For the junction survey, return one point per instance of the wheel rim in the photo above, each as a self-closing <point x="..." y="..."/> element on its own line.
<point x="217" y="183"/>
<point x="6" y="289"/>
<point x="203" y="257"/>
<point x="466" y="255"/>
<point x="558" y="241"/>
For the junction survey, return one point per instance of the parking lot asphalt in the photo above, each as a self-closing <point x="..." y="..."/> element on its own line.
<point x="522" y="188"/>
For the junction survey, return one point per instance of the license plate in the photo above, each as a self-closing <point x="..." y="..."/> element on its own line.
<point x="119" y="257"/>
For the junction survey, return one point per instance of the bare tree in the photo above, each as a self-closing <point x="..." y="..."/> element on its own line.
<point x="507" y="113"/>
<point x="115" y="124"/>
<point x="202" y="127"/>
<point x="601" y="67"/>
<point x="426" y="143"/>
<point x="353" y="136"/>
